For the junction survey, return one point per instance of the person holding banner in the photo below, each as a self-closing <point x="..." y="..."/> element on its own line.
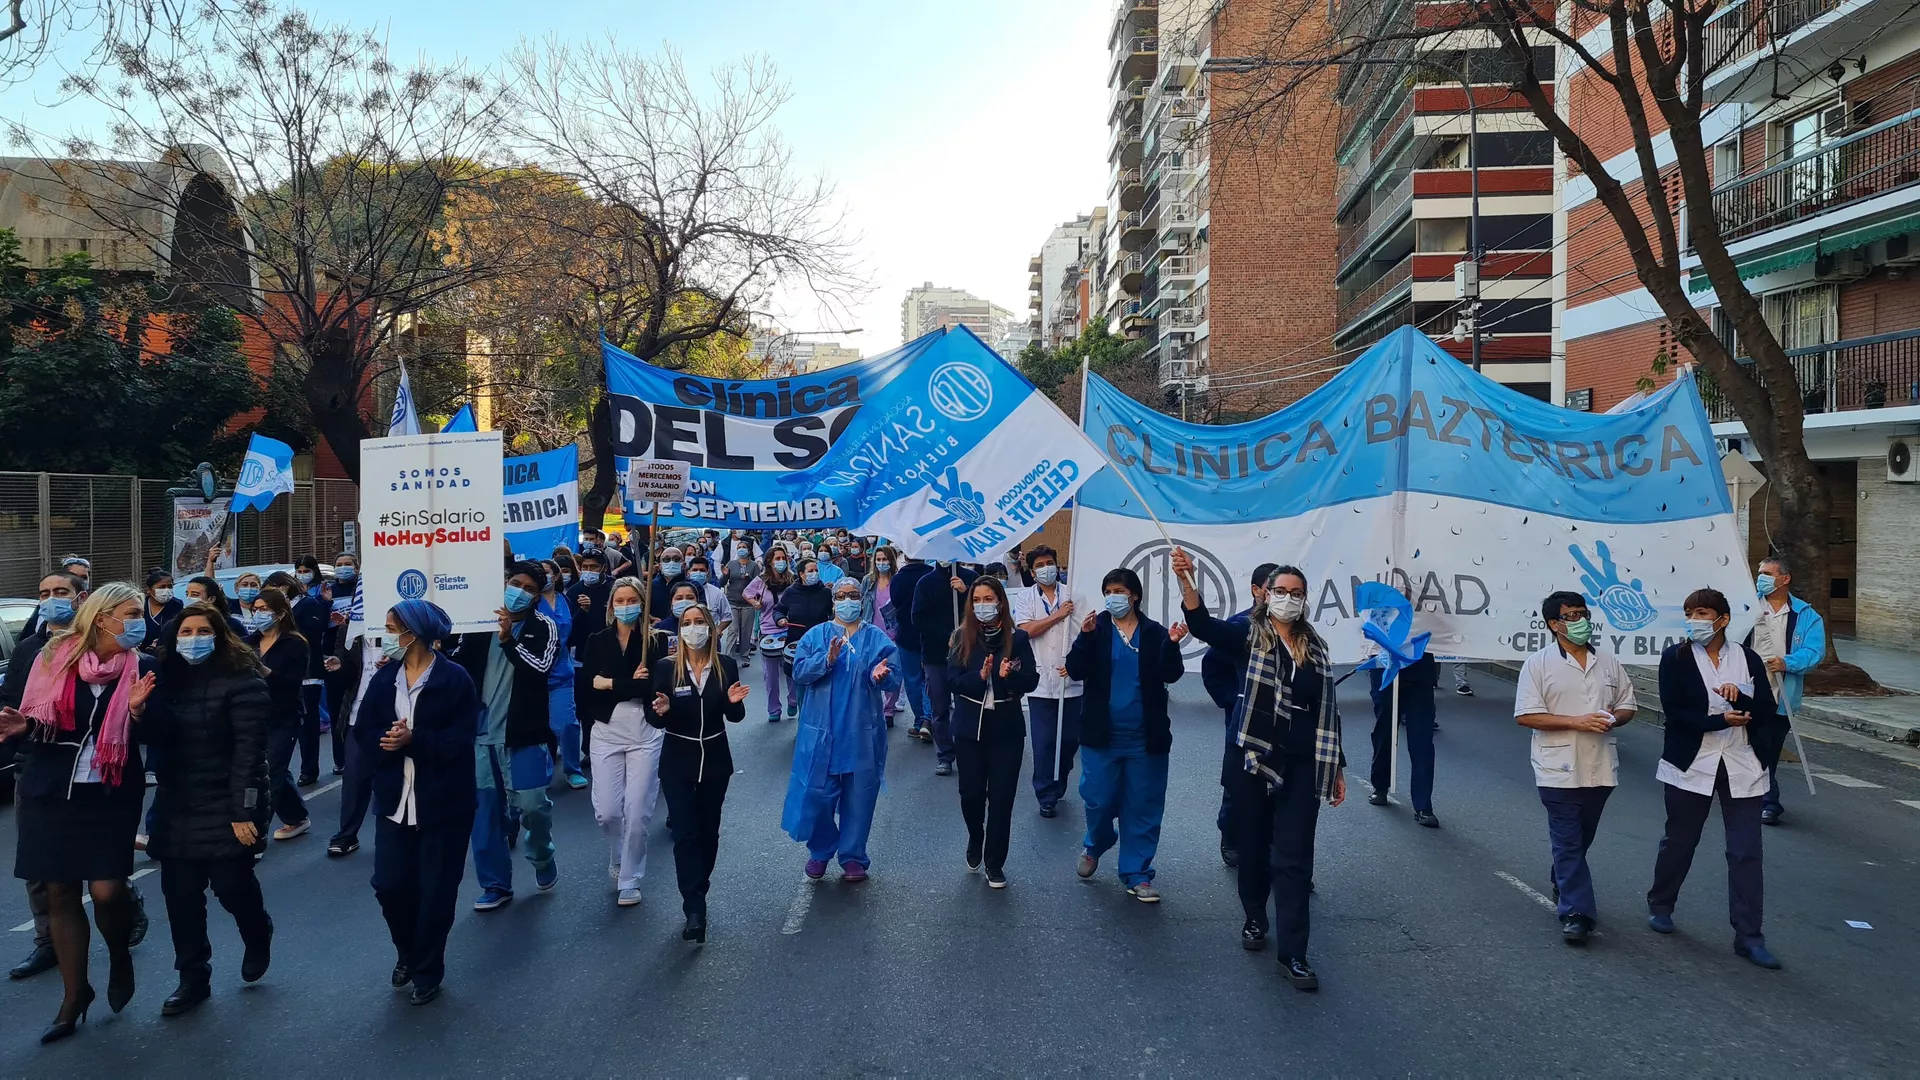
<point x="697" y="693"/>
<point x="1127" y="661"/>
<point x="561" y="715"/>
<point x="840" y="751"/>
<point x="1418" y="682"/>
<point x="1723" y="737"/>
<point x="1220" y="675"/>
<point x="907" y="574"/>
<point x="1791" y="638"/>
<point x="990" y="667"/>
<point x="1287" y="731"/>
<point x="936" y="615"/>
<point x="626" y="751"/>
<point x="1045" y="613"/>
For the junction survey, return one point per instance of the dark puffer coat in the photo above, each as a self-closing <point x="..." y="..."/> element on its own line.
<point x="213" y="770"/>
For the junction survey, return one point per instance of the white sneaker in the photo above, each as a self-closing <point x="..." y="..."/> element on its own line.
<point x="288" y="832"/>
<point x="628" y="898"/>
<point x="613" y="871"/>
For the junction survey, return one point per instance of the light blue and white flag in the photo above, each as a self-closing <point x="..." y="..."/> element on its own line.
<point x="1409" y="468"/>
<point x="462" y="420"/>
<point x="959" y="457"/>
<point x="266" y="473"/>
<point x="542" y="501"/>
<point x="405" y="419"/>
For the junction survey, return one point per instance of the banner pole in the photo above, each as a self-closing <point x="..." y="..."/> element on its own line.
<point x="1801" y="749"/>
<point x="1117" y="471"/>
<point x="1393" y="742"/>
<point x="646" y="595"/>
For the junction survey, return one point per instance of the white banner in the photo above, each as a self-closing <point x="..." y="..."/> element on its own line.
<point x="430" y="510"/>
<point x="198" y="526"/>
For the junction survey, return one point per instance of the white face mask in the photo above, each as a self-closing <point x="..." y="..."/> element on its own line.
<point x="696" y="635"/>
<point x="1285" y="606"/>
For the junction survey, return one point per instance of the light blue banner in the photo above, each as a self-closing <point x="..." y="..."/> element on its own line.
<point x="541" y="493"/>
<point x="1408" y="416"/>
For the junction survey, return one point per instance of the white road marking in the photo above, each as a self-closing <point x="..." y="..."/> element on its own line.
<point x="135" y="876"/>
<point x="797" y="911"/>
<point x="1915" y="803"/>
<point x="140" y="873"/>
<point x="1844" y="780"/>
<point x="25" y="926"/>
<point x="1538" y="896"/>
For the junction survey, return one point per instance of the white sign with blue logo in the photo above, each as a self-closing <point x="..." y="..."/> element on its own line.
<point x="431" y="525"/>
<point x="1410" y="468"/>
<point x="958" y="458"/>
<point x="542" y="493"/>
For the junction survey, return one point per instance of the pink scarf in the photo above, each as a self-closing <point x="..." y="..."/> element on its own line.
<point x="49" y="699"/>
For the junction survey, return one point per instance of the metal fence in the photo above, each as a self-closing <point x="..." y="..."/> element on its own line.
<point x="124" y="525"/>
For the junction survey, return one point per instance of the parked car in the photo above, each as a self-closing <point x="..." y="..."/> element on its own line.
<point x="226" y="578"/>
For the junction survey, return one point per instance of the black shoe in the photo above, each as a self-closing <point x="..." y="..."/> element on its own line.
<point x="1425" y="818"/>
<point x="308" y="781"/>
<point x="1378" y="798"/>
<point x="60" y="1029"/>
<point x="1049" y="811"/>
<point x="996" y="879"/>
<point x="253" y="965"/>
<point x="39" y="960"/>
<point x="1228" y="855"/>
<point x="1253" y="936"/>
<point x="1299" y="975"/>
<point x="342" y="845"/>
<point x="1463" y="690"/>
<point x="1771" y="815"/>
<point x="183" y="999"/>
<point x="120" y="984"/>
<point x="943" y="768"/>
<point x="140" y="923"/>
<point x="423" y="994"/>
<point x="695" y="930"/>
<point x="1573" y="930"/>
<point x="973" y="859"/>
<point x="339" y="770"/>
<point x="401" y="976"/>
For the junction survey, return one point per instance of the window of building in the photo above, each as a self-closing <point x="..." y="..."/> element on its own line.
<point x="1803" y="318"/>
<point x="1441" y="234"/>
<point x="1726" y="160"/>
<point x="1801" y="137"/>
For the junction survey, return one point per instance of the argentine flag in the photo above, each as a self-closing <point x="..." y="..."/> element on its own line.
<point x="957" y="458"/>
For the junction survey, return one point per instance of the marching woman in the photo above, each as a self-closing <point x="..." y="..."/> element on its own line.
<point x="763" y="595"/>
<point x="416" y="731"/>
<point x="210" y="810"/>
<point x="989" y="668"/>
<point x="626" y="744"/>
<point x="81" y="788"/>
<point x="283" y="653"/>
<point x="840" y="752"/>
<point x="1286" y="727"/>
<point x="697" y="692"/>
<point x="1126" y="662"/>
<point x="681" y="598"/>
<point x="205" y="590"/>
<point x="804" y="606"/>
<point x="161" y="608"/>
<point x="876" y="607"/>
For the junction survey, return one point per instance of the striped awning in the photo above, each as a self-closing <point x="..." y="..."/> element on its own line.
<point x="1759" y="265"/>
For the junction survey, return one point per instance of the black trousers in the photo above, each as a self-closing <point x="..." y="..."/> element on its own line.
<point x="337" y="687"/>
<point x="311" y="696"/>
<point x="287" y="804"/>
<point x="693" y="809"/>
<point x="416" y="879"/>
<point x="184" y="882"/>
<point x="989" y="781"/>
<point x="1686" y="819"/>
<point x="1281" y="824"/>
<point x="356" y="791"/>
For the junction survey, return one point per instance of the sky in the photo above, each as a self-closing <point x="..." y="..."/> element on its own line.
<point x="957" y="134"/>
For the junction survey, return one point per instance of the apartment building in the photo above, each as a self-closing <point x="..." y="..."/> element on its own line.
<point x="1220" y="245"/>
<point x="1058" y="280"/>
<point x="1816" y="165"/>
<point x="927" y="308"/>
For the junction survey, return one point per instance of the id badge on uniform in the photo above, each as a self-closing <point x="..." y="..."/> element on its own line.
<point x="683" y="691"/>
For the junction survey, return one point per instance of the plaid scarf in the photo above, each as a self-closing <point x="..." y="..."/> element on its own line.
<point x="1259" y="729"/>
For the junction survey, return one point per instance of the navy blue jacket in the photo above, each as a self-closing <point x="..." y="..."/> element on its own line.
<point x="970" y="721"/>
<point x="1683" y="698"/>
<point x="906" y="580"/>
<point x="446" y="722"/>
<point x="1220" y="670"/>
<point x="933" y="610"/>
<point x="1091" y="661"/>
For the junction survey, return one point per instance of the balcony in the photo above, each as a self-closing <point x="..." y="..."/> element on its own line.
<point x="1177" y="268"/>
<point x="1746" y="28"/>
<point x="1126" y="146"/>
<point x="1134" y="317"/>
<point x="1133" y="189"/>
<point x="1859" y="167"/>
<point x="1355" y="304"/>
<point x="1131" y="268"/>
<point x="1178" y="365"/>
<point x="1746" y="39"/>
<point x="1844" y="376"/>
<point x="1033" y="265"/>
<point x="1389" y="213"/>
<point x="1133" y="17"/>
<point x="1184" y="318"/>
<point x="1178" y="217"/>
<point x="1136" y="229"/>
<point x="1128" y="99"/>
<point x="1136" y="58"/>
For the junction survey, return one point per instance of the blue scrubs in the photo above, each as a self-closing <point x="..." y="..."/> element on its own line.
<point x="1122" y="781"/>
<point x="840" y="751"/>
<point x="561" y="717"/>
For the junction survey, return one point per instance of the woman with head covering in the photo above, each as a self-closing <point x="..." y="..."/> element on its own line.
<point x="81" y="787"/>
<point x="840" y="753"/>
<point x="626" y="744"/>
<point x="416" y="731"/>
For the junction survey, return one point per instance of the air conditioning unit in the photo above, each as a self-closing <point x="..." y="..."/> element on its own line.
<point x="1901" y="468"/>
<point x="1842" y="266"/>
<point x="1902" y="251"/>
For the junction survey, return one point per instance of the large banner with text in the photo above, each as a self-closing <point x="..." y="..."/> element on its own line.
<point x="430" y="523"/>
<point x="1410" y="468"/>
<point x="542" y="509"/>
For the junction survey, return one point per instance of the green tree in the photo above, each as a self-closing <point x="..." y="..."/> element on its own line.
<point x="1122" y="361"/>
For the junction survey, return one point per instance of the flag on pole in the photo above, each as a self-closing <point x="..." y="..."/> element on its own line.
<point x="266" y="472"/>
<point x="462" y="420"/>
<point x="404" y="421"/>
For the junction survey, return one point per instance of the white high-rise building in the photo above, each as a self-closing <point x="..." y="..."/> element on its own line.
<point x="928" y="308"/>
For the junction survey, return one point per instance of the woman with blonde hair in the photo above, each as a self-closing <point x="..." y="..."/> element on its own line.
<point x="626" y="749"/>
<point x="696" y="693"/>
<point x="82" y="785"/>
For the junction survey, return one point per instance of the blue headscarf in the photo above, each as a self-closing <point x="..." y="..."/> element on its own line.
<point x="424" y="619"/>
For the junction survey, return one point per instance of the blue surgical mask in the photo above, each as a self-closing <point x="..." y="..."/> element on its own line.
<point x="1118" y="604"/>
<point x="589" y="577"/>
<point x="247" y="594"/>
<point x="195" y="650"/>
<point x="1700" y="630"/>
<point x="987" y="612"/>
<point x="779" y="566"/>
<point x="1763" y="584"/>
<point x="345" y="574"/>
<point x="847" y="610"/>
<point x="627" y="613"/>
<point x="133" y="635"/>
<point x="680" y="607"/>
<point x="393" y="648"/>
<point x="305" y="577"/>
<point x="698" y="577"/>
<point x="671" y="569"/>
<point x="57" y="610"/>
<point x="882" y="566"/>
<point x="811" y="577"/>
<point x="518" y="599"/>
<point x="1047" y="575"/>
<point x="256" y="620"/>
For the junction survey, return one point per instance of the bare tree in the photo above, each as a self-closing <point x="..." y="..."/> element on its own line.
<point x="1654" y="57"/>
<point x="698" y="215"/>
<point x="301" y="178"/>
<point x="29" y="29"/>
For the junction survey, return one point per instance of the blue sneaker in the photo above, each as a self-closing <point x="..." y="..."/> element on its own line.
<point x="1759" y="955"/>
<point x="492" y="899"/>
<point x="576" y="781"/>
<point x="1660" y="924"/>
<point x="548" y="878"/>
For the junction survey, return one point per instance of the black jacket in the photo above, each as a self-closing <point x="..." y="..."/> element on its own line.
<point x="906" y="579"/>
<point x="1683" y="698"/>
<point x="533" y="652"/>
<point x="314" y="619"/>
<point x="804" y="607"/>
<point x="446" y="721"/>
<point x="696" y="722"/>
<point x="591" y="619"/>
<point x="1221" y="669"/>
<point x="933" y="608"/>
<point x="15" y="688"/>
<point x="1091" y="661"/>
<point x="604" y="656"/>
<point x="286" y="665"/>
<point x="213" y="768"/>
<point x="973" y="723"/>
<point x="46" y="767"/>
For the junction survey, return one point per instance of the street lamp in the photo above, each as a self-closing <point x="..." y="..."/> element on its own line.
<point x="1466" y="275"/>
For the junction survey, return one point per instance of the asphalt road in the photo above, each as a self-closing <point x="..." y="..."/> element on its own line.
<point x="1435" y="954"/>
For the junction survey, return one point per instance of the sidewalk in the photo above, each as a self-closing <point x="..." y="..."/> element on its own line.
<point x="1896" y="669"/>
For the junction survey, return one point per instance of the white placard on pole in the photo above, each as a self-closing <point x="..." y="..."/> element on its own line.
<point x="654" y="480"/>
<point x="430" y="519"/>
